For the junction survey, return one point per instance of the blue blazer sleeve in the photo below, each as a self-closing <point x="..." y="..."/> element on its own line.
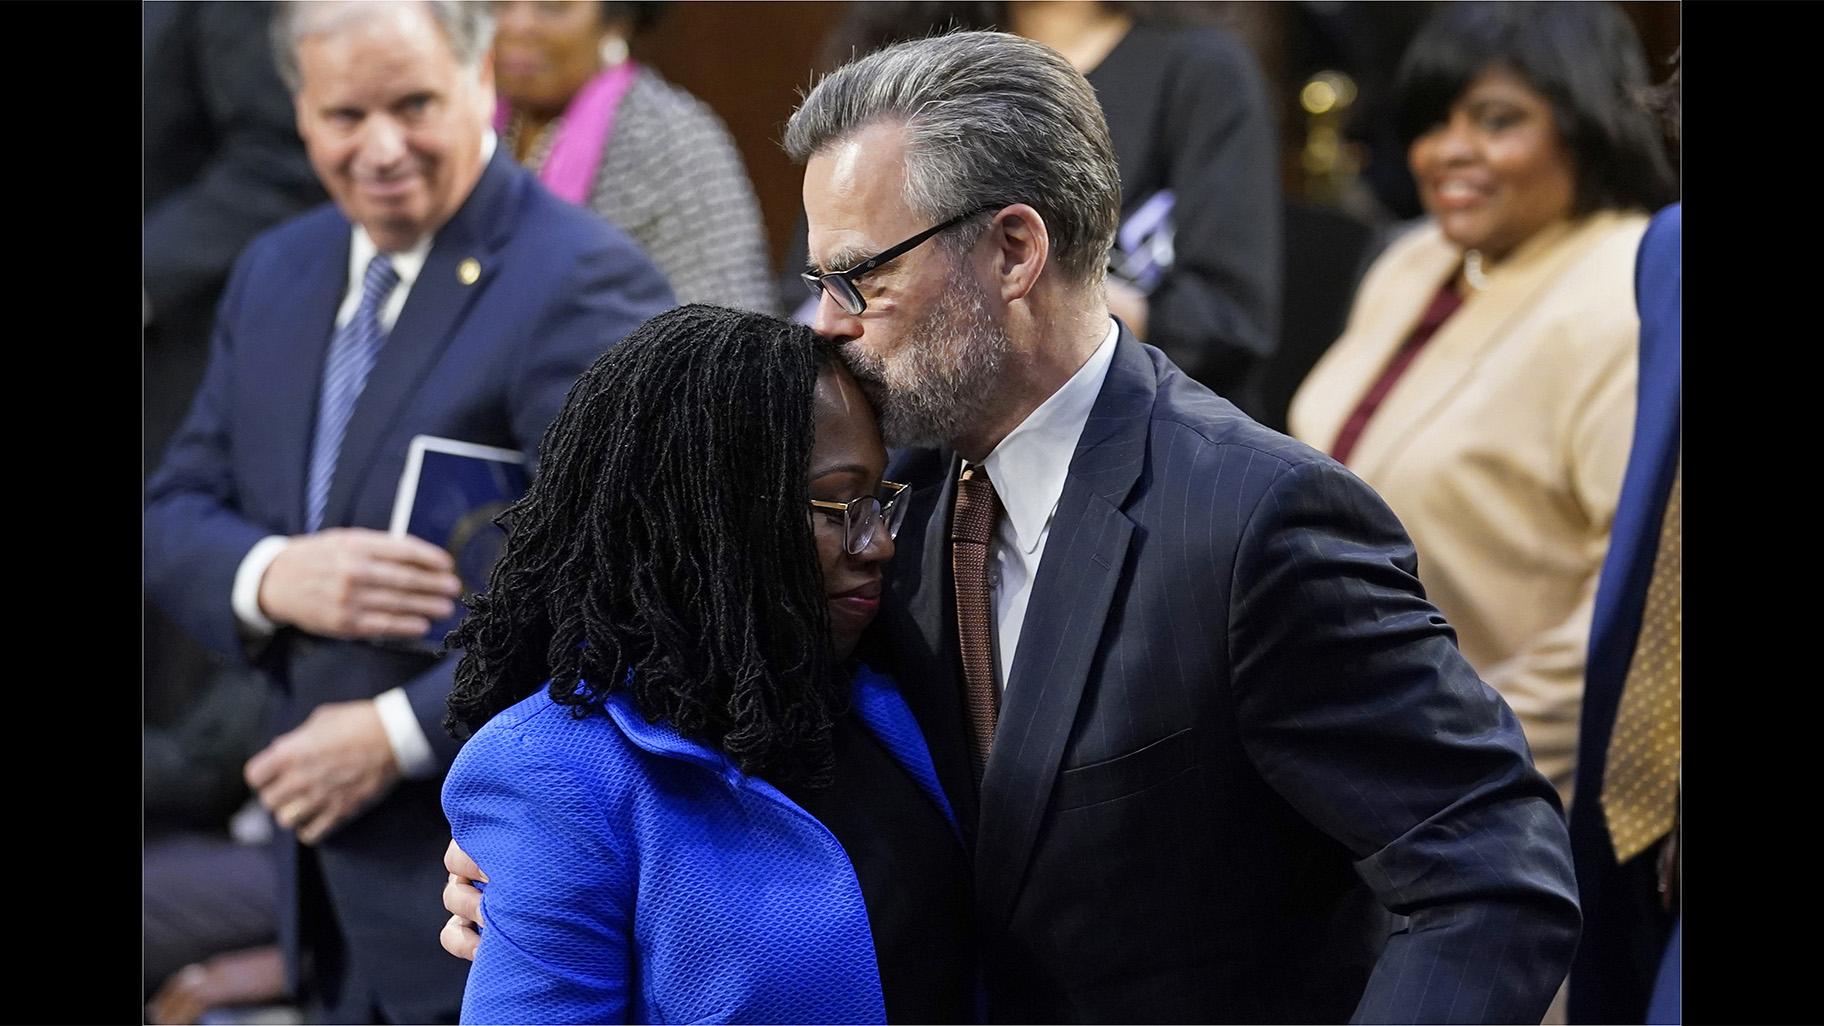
<point x="556" y="944"/>
<point x="1426" y="777"/>
<point x="195" y="534"/>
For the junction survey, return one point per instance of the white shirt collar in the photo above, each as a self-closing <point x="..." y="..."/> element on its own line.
<point x="1028" y="468"/>
<point x="406" y="263"/>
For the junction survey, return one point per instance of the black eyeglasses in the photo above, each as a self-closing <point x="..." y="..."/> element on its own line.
<point x="862" y="517"/>
<point x="841" y="284"/>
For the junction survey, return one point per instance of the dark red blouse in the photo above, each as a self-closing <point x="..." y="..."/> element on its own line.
<point x="1442" y="306"/>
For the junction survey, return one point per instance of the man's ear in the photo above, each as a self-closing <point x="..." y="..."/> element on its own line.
<point x="484" y="77"/>
<point x="1021" y="247"/>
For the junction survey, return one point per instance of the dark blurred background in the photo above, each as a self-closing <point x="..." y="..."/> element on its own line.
<point x="750" y="60"/>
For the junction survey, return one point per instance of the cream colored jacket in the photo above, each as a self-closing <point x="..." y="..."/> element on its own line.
<point x="1502" y="448"/>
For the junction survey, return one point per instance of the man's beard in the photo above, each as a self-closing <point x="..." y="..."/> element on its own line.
<point x="941" y="377"/>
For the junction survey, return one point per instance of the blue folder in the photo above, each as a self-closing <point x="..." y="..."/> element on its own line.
<point x="449" y="495"/>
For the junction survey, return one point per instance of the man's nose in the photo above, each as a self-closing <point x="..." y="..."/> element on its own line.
<point x="382" y="143"/>
<point x="832" y="321"/>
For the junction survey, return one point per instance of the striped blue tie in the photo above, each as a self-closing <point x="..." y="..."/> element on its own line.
<point x="351" y="357"/>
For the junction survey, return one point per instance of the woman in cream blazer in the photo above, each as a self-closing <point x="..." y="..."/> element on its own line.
<point x="1501" y="449"/>
<point x="1501" y="445"/>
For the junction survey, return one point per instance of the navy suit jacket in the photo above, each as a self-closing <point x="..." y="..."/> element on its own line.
<point x="489" y="362"/>
<point x="1626" y="927"/>
<point x="1235" y="737"/>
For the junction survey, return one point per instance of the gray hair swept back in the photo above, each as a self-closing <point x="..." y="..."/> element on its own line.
<point x="468" y="27"/>
<point x="991" y="119"/>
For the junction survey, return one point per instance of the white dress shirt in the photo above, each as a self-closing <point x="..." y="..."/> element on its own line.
<point x="1028" y="470"/>
<point x="410" y="747"/>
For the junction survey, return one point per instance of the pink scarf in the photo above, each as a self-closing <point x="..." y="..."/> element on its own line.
<point x="582" y="134"/>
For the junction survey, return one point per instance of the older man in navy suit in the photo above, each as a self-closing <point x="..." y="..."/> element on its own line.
<point x="443" y="293"/>
<point x="1217" y="758"/>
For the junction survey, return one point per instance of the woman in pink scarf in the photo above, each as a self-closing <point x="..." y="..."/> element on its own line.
<point x="608" y="133"/>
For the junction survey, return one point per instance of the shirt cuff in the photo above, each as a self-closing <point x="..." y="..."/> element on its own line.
<point x="246" y="594"/>
<point x="411" y="749"/>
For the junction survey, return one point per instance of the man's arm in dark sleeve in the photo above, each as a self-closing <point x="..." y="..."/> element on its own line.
<point x="1356" y="706"/>
<point x="1216" y="313"/>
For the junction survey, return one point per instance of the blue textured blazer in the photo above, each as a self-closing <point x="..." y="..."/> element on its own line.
<point x="1626" y="930"/>
<point x="1235" y="738"/>
<point x="484" y="358"/>
<point x="640" y="877"/>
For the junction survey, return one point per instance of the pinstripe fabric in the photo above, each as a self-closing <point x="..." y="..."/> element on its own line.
<point x="351" y="357"/>
<point x="1241" y="771"/>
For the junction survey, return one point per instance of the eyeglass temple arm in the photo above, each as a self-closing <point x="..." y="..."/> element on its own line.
<point x="905" y="247"/>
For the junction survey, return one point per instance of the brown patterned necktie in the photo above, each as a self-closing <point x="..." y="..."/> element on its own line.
<point x="972" y="524"/>
<point x="1640" y="782"/>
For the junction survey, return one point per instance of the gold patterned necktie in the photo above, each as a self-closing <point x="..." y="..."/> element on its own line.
<point x="972" y="524"/>
<point x="1640" y="782"/>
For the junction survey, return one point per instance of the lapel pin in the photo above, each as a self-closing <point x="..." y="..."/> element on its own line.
<point x="469" y="271"/>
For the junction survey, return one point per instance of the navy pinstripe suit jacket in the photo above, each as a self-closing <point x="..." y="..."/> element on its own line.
<point x="1241" y="772"/>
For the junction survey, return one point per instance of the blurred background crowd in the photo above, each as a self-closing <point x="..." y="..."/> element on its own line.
<point x="1307" y="228"/>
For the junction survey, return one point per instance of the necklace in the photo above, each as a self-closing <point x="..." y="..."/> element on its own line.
<point x="1472" y="270"/>
<point x="541" y="143"/>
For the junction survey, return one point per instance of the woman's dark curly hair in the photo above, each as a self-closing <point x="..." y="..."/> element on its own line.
<point x="665" y="549"/>
<point x="1584" y="57"/>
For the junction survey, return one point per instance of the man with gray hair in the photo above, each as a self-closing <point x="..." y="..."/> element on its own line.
<point x="1176" y="670"/>
<point x="1216" y="757"/>
<point x="445" y="293"/>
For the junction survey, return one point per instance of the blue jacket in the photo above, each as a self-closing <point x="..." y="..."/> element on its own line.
<point x="1625" y="929"/>
<point x="639" y="876"/>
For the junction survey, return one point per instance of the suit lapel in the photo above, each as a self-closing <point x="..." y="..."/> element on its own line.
<point x="439" y="300"/>
<point x="1085" y="556"/>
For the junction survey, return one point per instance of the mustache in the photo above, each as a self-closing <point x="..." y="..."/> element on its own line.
<point x="869" y="370"/>
<point x="862" y="363"/>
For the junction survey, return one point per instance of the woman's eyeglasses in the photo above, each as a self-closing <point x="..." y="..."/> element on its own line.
<point x="862" y="517"/>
